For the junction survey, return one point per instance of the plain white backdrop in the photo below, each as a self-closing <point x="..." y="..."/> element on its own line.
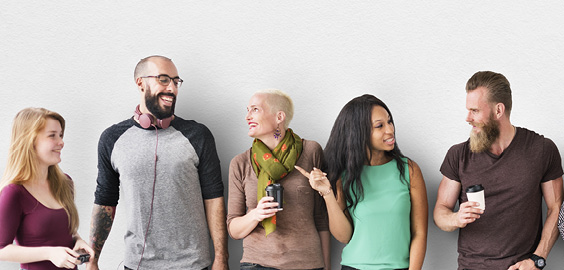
<point x="77" y="58"/>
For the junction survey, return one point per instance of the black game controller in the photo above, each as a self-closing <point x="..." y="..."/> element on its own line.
<point x="83" y="258"/>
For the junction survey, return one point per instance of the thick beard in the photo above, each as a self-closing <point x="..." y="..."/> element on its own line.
<point x="152" y="104"/>
<point x="482" y="141"/>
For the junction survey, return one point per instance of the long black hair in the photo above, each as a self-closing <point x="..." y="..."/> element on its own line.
<point x="346" y="150"/>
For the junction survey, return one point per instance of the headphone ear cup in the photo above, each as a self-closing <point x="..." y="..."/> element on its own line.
<point x="164" y="123"/>
<point x="145" y="120"/>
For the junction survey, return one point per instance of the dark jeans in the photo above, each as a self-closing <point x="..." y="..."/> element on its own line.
<point x="344" y="267"/>
<point x="126" y="268"/>
<point x="255" y="266"/>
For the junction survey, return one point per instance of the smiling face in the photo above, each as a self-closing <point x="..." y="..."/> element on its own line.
<point x="159" y="100"/>
<point x="49" y="143"/>
<point x="262" y="122"/>
<point x="479" y="109"/>
<point x="382" y="137"/>
<point x="485" y="128"/>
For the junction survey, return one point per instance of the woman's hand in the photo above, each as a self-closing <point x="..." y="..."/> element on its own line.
<point x="82" y="246"/>
<point x="62" y="257"/>
<point x="317" y="179"/>
<point x="241" y="226"/>
<point x="265" y="209"/>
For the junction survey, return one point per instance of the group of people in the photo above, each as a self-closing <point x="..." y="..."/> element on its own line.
<point x="361" y="188"/>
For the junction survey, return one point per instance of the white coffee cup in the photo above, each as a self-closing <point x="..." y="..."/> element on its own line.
<point x="475" y="193"/>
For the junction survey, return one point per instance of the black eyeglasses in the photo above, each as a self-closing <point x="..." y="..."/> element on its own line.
<point x="164" y="80"/>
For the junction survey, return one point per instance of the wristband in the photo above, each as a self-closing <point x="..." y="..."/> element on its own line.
<point x="326" y="192"/>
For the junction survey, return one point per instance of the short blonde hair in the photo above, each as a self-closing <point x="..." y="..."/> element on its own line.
<point x="278" y="100"/>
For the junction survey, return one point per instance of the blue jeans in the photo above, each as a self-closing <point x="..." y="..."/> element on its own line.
<point x="256" y="266"/>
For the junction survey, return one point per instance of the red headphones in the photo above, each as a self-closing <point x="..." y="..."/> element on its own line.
<point x="146" y="120"/>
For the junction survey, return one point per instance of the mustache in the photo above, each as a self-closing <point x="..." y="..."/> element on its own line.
<point x="167" y="94"/>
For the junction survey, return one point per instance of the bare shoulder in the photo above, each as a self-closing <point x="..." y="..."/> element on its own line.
<point x="415" y="175"/>
<point x="414" y="168"/>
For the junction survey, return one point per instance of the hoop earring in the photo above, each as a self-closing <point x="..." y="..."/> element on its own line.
<point x="277" y="133"/>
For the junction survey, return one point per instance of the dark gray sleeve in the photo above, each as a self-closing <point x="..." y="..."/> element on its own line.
<point x="209" y="169"/>
<point x="107" y="188"/>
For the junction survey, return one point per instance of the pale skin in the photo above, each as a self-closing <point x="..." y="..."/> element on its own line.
<point x="215" y="215"/>
<point x="262" y="124"/>
<point x="100" y="226"/>
<point x="103" y="215"/>
<point x="340" y="223"/>
<point x="446" y="219"/>
<point x="38" y="187"/>
<point x="103" y="218"/>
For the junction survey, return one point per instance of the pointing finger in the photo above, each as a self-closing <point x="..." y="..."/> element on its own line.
<point x="304" y="172"/>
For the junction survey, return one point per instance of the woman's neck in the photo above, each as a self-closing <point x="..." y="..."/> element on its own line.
<point x="41" y="177"/>
<point x="379" y="157"/>
<point x="271" y="142"/>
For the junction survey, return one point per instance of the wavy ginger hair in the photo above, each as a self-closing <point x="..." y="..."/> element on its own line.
<point x="22" y="162"/>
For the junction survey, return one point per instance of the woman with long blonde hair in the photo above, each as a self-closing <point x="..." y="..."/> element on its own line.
<point x="37" y="207"/>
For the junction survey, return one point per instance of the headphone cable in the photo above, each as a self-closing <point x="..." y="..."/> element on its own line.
<point x="152" y="198"/>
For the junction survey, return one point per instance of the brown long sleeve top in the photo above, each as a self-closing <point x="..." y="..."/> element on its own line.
<point x="295" y="244"/>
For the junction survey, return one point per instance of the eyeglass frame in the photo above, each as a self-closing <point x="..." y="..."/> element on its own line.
<point x="178" y="84"/>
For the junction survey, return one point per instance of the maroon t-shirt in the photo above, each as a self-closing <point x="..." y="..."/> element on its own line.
<point x="511" y="226"/>
<point x="31" y="224"/>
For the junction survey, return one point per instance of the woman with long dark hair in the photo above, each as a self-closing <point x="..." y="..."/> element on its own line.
<point x="37" y="207"/>
<point x="380" y="206"/>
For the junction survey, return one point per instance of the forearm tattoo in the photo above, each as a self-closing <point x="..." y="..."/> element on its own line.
<point x="102" y="220"/>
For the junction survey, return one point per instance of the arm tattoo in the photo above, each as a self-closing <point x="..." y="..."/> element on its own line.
<point x="101" y="224"/>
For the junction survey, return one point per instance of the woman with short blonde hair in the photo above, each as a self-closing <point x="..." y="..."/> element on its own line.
<point x="296" y="237"/>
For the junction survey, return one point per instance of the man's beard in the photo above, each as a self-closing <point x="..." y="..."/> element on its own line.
<point x="152" y="104"/>
<point x="483" y="140"/>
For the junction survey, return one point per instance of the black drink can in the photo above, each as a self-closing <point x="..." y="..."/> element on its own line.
<point x="277" y="192"/>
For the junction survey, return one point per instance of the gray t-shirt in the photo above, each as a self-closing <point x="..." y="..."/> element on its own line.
<point x="510" y="228"/>
<point x="187" y="172"/>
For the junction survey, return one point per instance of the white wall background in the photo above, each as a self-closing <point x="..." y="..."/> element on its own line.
<point x="77" y="58"/>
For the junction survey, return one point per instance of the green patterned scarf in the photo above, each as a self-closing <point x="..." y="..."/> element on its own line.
<point x="271" y="166"/>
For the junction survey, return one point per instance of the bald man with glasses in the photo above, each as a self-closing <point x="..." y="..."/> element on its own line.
<point x="168" y="171"/>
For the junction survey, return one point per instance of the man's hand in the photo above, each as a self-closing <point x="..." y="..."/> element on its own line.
<point x="526" y="264"/>
<point x="467" y="213"/>
<point x="220" y="264"/>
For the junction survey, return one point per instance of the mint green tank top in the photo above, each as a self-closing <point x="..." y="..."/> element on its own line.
<point x="382" y="235"/>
